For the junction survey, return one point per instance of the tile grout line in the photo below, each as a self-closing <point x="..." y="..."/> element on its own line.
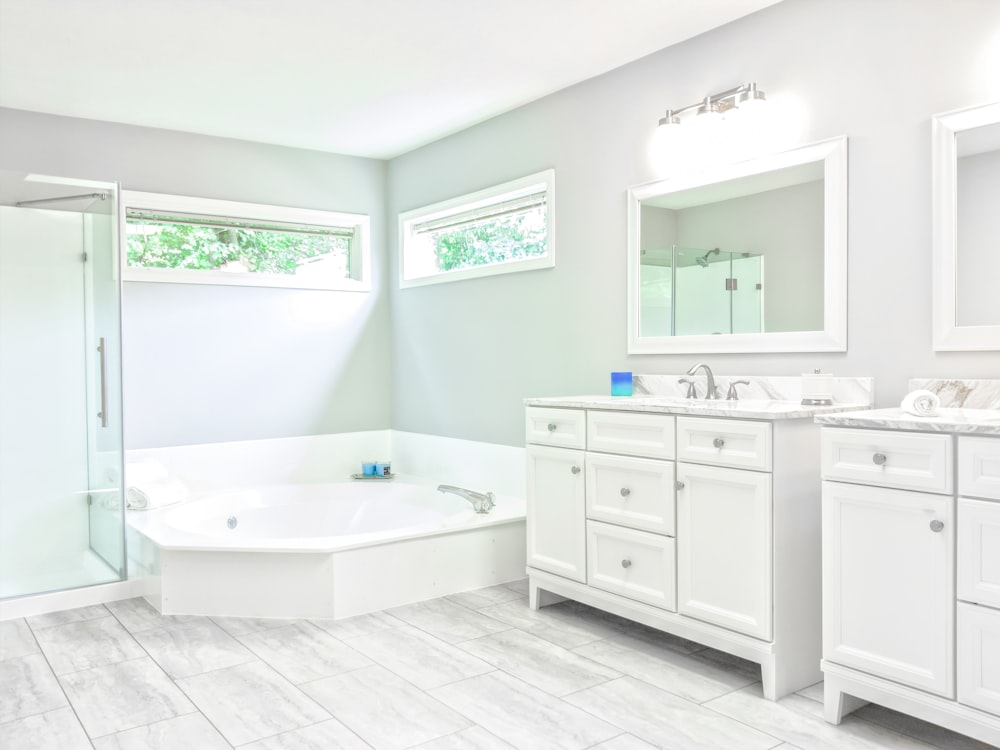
<point x="62" y="689"/>
<point x="172" y="680"/>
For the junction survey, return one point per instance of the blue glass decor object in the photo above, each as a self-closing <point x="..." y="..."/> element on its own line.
<point x="368" y="468"/>
<point x="621" y="384"/>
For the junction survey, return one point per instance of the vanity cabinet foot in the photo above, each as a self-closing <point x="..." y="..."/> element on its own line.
<point x="538" y="597"/>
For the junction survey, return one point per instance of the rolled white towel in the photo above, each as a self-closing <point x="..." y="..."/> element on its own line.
<point x="921" y="403"/>
<point x="142" y="472"/>
<point x="156" y="494"/>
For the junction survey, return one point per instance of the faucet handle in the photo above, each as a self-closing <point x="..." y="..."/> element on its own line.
<point x="732" y="395"/>
<point x="691" y="392"/>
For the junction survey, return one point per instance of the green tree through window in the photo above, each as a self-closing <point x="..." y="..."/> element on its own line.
<point x="497" y="241"/>
<point x="176" y="245"/>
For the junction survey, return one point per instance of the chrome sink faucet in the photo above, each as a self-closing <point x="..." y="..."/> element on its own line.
<point x="481" y="501"/>
<point x="711" y="392"/>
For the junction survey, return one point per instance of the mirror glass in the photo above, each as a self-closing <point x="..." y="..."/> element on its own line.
<point x="748" y="257"/>
<point x="966" y="193"/>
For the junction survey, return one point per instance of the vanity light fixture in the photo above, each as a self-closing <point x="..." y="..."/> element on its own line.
<point x="714" y="107"/>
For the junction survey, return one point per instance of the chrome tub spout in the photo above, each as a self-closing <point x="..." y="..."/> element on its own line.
<point x="482" y="502"/>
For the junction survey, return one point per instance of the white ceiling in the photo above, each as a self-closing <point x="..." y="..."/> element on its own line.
<point x="365" y="77"/>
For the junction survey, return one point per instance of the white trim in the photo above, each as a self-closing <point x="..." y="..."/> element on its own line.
<point x="472" y="201"/>
<point x="131" y="199"/>
<point x="948" y="335"/>
<point x="40" y="604"/>
<point x="833" y="337"/>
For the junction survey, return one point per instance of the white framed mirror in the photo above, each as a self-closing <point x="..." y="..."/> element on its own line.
<point x="747" y="257"/>
<point x="965" y="183"/>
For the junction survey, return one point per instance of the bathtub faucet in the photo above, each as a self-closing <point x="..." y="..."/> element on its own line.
<point x="481" y="501"/>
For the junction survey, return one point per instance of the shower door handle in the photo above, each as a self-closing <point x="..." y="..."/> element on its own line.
<point x="102" y="347"/>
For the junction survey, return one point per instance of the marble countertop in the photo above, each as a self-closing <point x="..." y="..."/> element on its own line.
<point x="958" y="420"/>
<point x="742" y="409"/>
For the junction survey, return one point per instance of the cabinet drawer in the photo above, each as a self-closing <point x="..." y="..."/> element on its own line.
<point x="979" y="551"/>
<point x="649" y="435"/>
<point x="904" y="460"/>
<point x="563" y="428"/>
<point x="978" y="675"/>
<point x="636" y="492"/>
<point x="631" y="563"/>
<point x="724" y="442"/>
<point x="979" y="466"/>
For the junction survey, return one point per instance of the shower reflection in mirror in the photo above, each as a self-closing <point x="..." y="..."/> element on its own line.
<point x="689" y="291"/>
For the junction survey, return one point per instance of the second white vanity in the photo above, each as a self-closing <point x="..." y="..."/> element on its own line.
<point x="698" y="518"/>
<point x="911" y="564"/>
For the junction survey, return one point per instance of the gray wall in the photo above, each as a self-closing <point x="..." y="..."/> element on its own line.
<point x="222" y="363"/>
<point x="466" y="353"/>
<point x="208" y="363"/>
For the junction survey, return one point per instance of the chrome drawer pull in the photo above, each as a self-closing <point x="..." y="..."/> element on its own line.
<point x="718" y="442"/>
<point x="626" y="492"/>
<point x="937" y="526"/>
<point x="575" y="469"/>
<point x="626" y="563"/>
<point x="878" y="459"/>
<point x="552" y="427"/>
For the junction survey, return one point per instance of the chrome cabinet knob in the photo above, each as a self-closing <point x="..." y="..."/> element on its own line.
<point x="626" y="492"/>
<point x="878" y="459"/>
<point x="626" y="563"/>
<point x="937" y="526"/>
<point x="678" y="485"/>
<point x="575" y="469"/>
<point x="718" y="442"/>
<point x="551" y="427"/>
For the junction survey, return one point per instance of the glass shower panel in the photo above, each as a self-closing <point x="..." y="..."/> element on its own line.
<point x="701" y="300"/>
<point x="61" y="516"/>
<point x="656" y="267"/>
<point x="748" y="293"/>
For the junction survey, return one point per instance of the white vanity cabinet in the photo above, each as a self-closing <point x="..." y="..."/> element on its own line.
<point x="702" y="526"/>
<point x="911" y="575"/>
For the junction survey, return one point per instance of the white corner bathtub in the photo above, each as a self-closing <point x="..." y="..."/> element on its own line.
<point x="323" y="550"/>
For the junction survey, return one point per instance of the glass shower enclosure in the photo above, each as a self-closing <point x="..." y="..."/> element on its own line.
<point x="687" y="291"/>
<point x="61" y="459"/>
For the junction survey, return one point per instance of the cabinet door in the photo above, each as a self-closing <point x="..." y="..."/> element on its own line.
<point x="724" y="547"/>
<point x="888" y="584"/>
<point x="556" y="515"/>
<point x="979" y="657"/>
<point x="979" y="551"/>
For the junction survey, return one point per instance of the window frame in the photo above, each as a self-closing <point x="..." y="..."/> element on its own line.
<point x="167" y="203"/>
<point x="470" y="202"/>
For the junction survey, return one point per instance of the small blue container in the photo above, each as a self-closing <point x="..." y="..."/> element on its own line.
<point x="368" y="468"/>
<point x="383" y="470"/>
<point x="621" y="384"/>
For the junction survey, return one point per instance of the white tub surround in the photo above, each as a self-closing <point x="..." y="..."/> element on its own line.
<point x="697" y="518"/>
<point x="911" y="574"/>
<point x="285" y="559"/>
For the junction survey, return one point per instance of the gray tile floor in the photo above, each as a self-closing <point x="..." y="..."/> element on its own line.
<point x="475" y="670"/>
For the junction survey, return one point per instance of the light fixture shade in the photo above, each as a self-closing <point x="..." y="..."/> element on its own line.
<point x="751" y="98"/>
<point x="669" y="119"/>
<point x="709" y="109"/>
